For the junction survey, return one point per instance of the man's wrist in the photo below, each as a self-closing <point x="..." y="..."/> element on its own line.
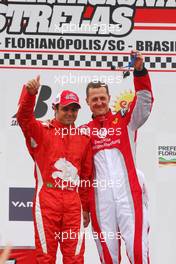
<point x="139" y="73"/>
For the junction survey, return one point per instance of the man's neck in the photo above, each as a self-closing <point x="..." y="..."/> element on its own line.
<point x="102" y="116"/>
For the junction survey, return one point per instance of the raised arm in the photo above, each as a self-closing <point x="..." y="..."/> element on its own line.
<point x="143" y="101"/>
<point x="32" y="129"/>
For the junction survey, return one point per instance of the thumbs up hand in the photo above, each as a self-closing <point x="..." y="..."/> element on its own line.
<point x="33" y="85"/>
<point x="5" y="254"/>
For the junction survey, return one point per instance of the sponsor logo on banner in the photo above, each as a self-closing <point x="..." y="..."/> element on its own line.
<point x="20" y="204"/>
<point x="123" y="102"/>
<point x="167" y="156"/>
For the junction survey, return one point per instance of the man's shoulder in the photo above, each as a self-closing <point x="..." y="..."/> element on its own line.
<point x="89" y="124"/>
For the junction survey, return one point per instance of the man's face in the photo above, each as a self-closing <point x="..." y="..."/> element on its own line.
<point x="98" y="101"/>
<point x="67" y="114"/>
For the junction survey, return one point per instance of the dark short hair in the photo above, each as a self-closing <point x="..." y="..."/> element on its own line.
<point x="97" y="84"/>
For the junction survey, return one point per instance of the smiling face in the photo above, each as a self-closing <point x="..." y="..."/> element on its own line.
<point x="98" y="100"/>
<point x="66" y="114"/>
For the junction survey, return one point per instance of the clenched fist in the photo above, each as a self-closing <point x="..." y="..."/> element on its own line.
<point x="86" y="218"/>
<point x="138" y="65"/>
<point x="33" y="86"/>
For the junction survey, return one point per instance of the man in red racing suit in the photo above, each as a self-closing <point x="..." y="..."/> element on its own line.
<point x="119" y="205"/>
<point x="63" y="160"/>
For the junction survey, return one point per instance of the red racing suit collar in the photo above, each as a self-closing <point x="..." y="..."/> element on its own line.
<point x="103" y="118"/>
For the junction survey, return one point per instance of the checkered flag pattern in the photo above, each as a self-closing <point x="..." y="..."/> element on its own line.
<point x="81" y="60"/>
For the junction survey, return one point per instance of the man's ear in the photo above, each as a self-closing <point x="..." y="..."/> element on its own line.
<point x="87" y="101"/>
<point x="109" y="98"/>
<point x="55" y="108"/>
